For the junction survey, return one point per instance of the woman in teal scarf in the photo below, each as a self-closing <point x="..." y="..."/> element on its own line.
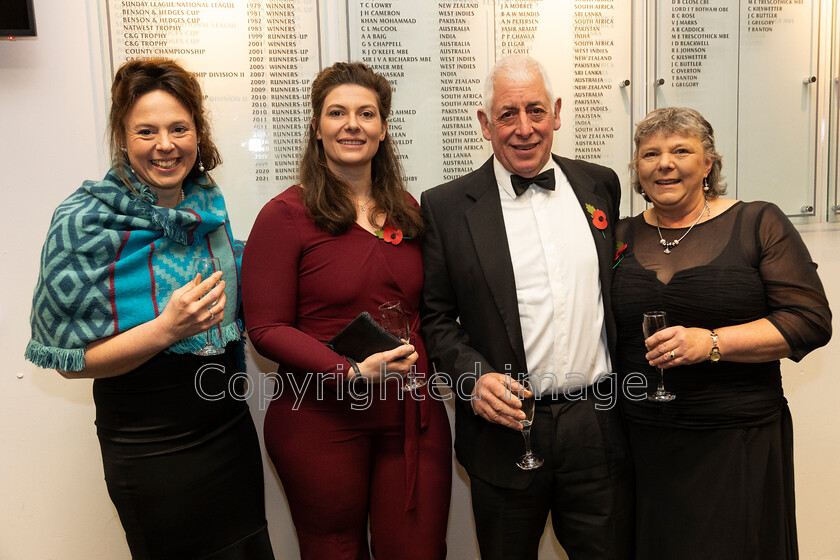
<point x="116" y="301"/>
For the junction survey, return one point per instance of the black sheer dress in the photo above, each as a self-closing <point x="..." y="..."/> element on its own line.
<point x="714" y="467"/>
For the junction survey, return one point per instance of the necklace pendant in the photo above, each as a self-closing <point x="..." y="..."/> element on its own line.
<point x="364" y="208"/>
<point x="667" y="250"/>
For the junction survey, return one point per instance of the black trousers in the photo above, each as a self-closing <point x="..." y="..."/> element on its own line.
<point x="586" y="483"/>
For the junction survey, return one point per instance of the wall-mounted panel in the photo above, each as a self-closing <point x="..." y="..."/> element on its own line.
<point x="255" y="61"/>
<point x="697" y="66"/>
<point x="750" y="68"/>
<point x="586" y="47"/>
<point x="777" y="101"/>
<point x="747" y="65"/>
<point x="436" y="56"/>
<point x="834" y="119"/>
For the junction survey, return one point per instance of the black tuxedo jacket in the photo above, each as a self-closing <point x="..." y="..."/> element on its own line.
<point x="470" y="317"/>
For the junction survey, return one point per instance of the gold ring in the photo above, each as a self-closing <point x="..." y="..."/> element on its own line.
<point x="671" y="353"/>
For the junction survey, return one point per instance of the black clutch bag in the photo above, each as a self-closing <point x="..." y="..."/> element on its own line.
<point x="362" y="337"/>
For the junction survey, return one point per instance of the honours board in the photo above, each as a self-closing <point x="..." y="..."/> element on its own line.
<point x="748" y="65"/>
<point x="437" y="55"/>
<point x="255" y="62"/>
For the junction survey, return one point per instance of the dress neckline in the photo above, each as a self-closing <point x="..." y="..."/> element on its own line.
<point x="699" y="225"/>
<point x="364" y="230"/>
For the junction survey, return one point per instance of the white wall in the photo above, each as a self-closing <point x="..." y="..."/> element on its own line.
<point x="54" y="502"/>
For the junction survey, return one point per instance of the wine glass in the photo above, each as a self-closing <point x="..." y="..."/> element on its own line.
<point x="653" y="321"/>
<point x="206" y="266"/>
<point x="530" y="460"/>
<point x="394" y="319"/>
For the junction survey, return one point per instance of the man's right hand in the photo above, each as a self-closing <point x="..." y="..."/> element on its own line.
<point x="494" y="399"/>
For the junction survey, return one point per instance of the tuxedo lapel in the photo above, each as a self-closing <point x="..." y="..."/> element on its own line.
<point x="487" y="227"/>
<point x="584" y="188"/>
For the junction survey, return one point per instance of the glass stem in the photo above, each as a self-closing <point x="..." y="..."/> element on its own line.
<point x="661" y="387"/>
<point x="526" y="433"/>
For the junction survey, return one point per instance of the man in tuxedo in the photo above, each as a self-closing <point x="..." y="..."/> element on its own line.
<point x="517" y="261"/>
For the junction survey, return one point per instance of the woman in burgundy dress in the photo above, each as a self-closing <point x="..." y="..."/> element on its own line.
<point x="354" y="446"/>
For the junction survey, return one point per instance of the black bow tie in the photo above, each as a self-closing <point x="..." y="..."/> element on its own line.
<point x="544" y="180"/>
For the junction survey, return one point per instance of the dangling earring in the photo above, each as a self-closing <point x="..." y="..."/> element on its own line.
<point x="706" y="184"/>
<point x="125" y="154"/>
<point x="200" y="163"/>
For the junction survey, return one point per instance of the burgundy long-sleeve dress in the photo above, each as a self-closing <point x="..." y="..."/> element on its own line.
<point x="341" y="459"/>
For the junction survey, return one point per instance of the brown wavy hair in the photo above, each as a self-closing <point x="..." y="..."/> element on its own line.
<point x="136" y="78"/>
<point x="326" y="196"/>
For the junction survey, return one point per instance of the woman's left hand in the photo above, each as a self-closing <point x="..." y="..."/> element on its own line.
<point x="678" y="346"/>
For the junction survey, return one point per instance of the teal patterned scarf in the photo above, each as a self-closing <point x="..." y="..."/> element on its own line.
<point x="112" y="260"/>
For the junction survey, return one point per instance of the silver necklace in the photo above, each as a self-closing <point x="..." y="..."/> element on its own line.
<point x="671" y="244"/>
<point x="363" y="206"/>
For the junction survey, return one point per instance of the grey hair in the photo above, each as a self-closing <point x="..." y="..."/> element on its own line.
<point x="687" y="122"/>
<point x="519" y="68"/>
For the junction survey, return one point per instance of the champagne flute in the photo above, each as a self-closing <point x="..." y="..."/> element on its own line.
<point x="653" y="321"/>
<point x="395" y="320"/>
<point x="530" y="460"/>
<point x="206" y="266"/>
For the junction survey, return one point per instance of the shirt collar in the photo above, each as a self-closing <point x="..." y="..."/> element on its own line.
<point x="503" y="175"/>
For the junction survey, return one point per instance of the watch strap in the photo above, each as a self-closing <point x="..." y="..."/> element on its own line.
<point x="714" y="355"/>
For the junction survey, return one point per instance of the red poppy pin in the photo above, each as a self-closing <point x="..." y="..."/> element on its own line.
<point x="599" y="218"/>
<point x="391" y="235"/>
<point x="619" y="252"/>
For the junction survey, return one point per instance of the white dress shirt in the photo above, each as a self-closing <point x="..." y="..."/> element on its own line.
<point x="558" y="287"/>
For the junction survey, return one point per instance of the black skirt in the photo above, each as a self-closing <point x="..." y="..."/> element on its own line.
<point x="182" y="459"/>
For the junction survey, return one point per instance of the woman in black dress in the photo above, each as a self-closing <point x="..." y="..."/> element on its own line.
<point x="714" y="467"/>
<point x="117" y="301"/>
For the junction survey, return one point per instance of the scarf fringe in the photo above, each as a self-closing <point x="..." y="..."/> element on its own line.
<point x="172" y="230"/>
<point x="159" y="218"/>
<point x="51" y="357"/>
<point x="73" y="359"/>
<point x="230" y="333"/>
